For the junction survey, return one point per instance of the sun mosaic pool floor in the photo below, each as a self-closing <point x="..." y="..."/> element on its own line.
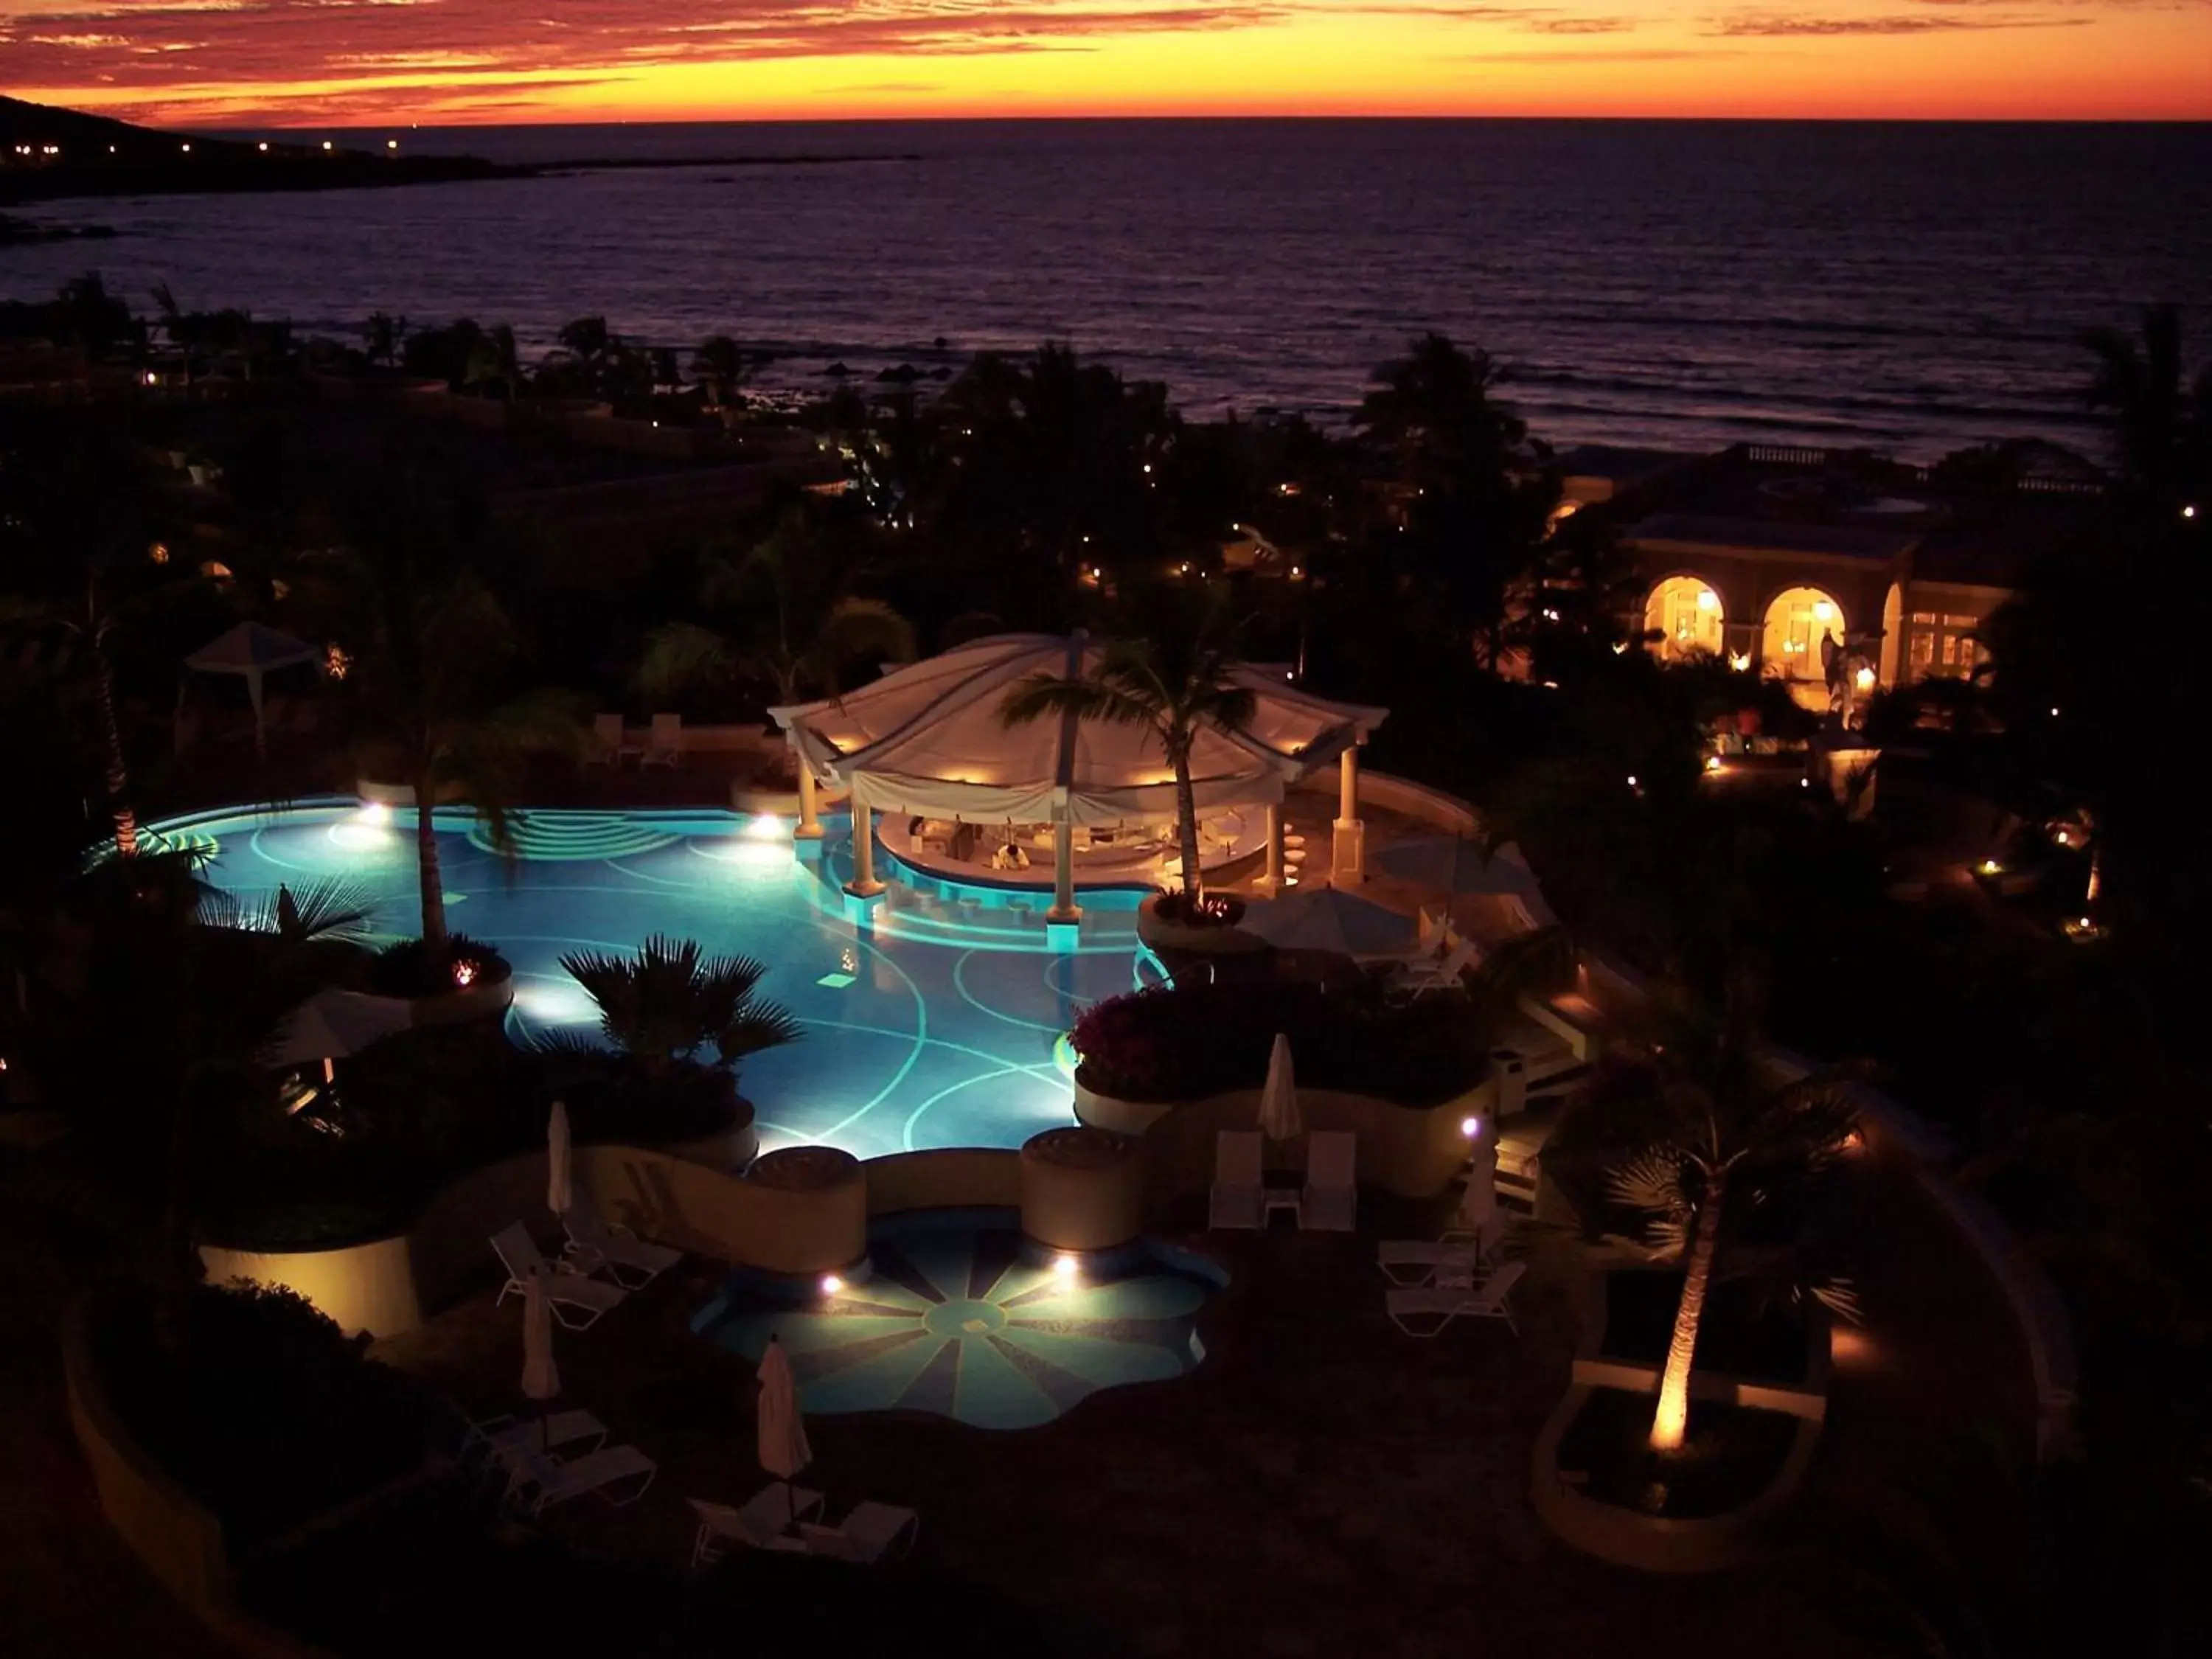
<point x="963" y="1318"/>
<point x="939" y="1021"/>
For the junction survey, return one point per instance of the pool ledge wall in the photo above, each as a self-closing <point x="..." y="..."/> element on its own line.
<point x="1412" y="1152"/>
<point x="178" y="1538"/>
<point x="769" y="1220"/>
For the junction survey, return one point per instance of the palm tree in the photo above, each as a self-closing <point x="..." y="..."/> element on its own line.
<point x="798" y="628"/>
<point x="671" y="1001"/>
<point x="434" y="653"/>
<point x="493" y="359"/>
<point x="82" y="510"/>
<point x="380" y="338"/>
<point x="1700" y="1139"/>
<point x="721" y="366"/>
<point x="2162" y="423"/>
<point x="1174" y="682"/>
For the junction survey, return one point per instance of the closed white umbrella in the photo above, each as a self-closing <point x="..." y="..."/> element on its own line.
<point x="1279" y="1100"/>
<point x="1478" y="1205"/>
<point x="782" y="1431"/>
<point x="541" y="1378"/>
<point x="331" y="1024"/>
<point x="560" y="1189"/>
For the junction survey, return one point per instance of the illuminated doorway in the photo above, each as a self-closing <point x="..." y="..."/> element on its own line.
<point x="1797" y="621"/>
<point x="1685" y="614"/>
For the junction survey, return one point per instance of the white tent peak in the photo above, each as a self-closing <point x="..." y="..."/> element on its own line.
<point x="928" y="737"/>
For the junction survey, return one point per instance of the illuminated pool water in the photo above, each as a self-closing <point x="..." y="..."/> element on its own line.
<point x="963" y="1318"/>
<point x="938" y="1023"/>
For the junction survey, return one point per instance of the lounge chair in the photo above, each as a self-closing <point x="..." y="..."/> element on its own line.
<point x="1330" y="1199"/>
<point x="494" y="1438"/>
<point x="565" y="1287"/>
<point x="1423" y="1261"/>
<point x="539" y="1482"/>
<point x="1440" y="973"/>
<point x="1239" y="1196"/>
<point x="664" y="745"/>
<point x="865" y="1535"/>
<point x="630" y="1260"/>
<point x="1444" y="1303"/>
<point x="768" y="1516"/>
<point x="609" y="744"/>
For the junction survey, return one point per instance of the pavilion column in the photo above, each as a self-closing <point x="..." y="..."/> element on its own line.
<point x="1063" y="874"/>
<point x="1348" y="865"/>
<point x="864" y="884"/>
<point x="810" y="805"/>
<point x="1271" y="876"/>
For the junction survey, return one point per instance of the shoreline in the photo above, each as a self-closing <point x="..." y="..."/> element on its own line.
<point x="262" y="176"/>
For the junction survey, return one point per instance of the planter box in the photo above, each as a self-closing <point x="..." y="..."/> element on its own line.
<point x="1655" y="1543"/>
<point x="1164" y="934"/>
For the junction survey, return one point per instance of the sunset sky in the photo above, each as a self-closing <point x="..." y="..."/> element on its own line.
<point x="371" y="62"/>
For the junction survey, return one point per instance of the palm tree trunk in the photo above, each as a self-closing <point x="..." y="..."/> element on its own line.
<point x="119" y="778"/>
<point x="426" y="858"/>
<point x="1193" y="885"/>
<point x="1673" y="1419"/>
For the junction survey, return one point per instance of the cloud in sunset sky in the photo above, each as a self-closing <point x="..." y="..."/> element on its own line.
<point x="236" y="61"/>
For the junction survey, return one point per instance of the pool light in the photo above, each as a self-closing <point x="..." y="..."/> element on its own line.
<point x="1065" y="1267"/>
<point x="765" y="826"/>
<point x="831" y="1284"/>
<point x="375" y="815"/>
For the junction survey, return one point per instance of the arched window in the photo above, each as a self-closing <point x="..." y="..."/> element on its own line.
<point x="1686" y="613"/>
<point x="1797" y="620"/>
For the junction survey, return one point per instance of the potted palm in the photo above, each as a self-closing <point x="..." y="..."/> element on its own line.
<point x="681" y="1022"/>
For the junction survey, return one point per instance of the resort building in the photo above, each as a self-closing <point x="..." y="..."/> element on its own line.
<point x="1836" y="571"/>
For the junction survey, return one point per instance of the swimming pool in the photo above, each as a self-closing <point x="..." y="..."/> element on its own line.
<point x="938" y="1023"/>
<point x="961" y="1317"/>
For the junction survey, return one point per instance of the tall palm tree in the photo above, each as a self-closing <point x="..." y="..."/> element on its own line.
<point x="434" y="655"/>
<point x="671" y="999"/>
<point x="1701" y="1139"/>
<point x="1175" y="681"/>
<point x="793" y="624"/>
<point x="2161" y="422"/>
<point x="720" y="365"/>
<point x="82" y="512"/>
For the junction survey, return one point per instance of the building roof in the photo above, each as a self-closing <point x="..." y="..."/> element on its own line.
<point x="928" y="737"/>
<point x="1850" y="541"/>
<point x="1618" y="464"/>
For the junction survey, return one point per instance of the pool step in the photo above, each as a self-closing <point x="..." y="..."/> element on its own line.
<point x="573" y="837"/>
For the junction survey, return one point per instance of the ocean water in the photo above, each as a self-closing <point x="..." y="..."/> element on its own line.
<point x="1910" y="287"/>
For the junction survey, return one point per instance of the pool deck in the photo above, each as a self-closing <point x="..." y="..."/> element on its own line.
<point x="1322" y="1485"/>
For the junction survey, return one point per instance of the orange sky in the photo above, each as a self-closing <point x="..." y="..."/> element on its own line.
<point x="368" y="62"/>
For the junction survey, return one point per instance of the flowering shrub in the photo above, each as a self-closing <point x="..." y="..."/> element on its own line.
<point x="1182" y="1043"/>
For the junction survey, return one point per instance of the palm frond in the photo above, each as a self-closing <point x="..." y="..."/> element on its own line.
<point x="1043" y="695"/>
<point x="335" y="909"/>
<point x="1651" y="1181"/>
<point x="681" y="655"/>
<point x="756" y="1030"/>
<point x="1840" y="1297"/>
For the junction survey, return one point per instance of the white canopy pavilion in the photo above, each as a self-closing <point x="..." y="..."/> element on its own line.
<point x="250" y="651"/>
<point x="927" y="739"/>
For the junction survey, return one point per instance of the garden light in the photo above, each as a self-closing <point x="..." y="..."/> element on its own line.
<point x="1471" y="1127"/>
<point x="1712" y="763"/>
<point x="1991" y="867"/>
<point x="1065" y="1267"/>
<point x="464" y="974"/>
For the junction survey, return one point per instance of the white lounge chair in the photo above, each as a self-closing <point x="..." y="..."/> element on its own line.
<point x="1422" y="1261"/>
<point x="609" y="743"/>
<point x="628" y="1259"/>
<point x="539" y="1482"/>
<point x="664" y="745"/>
<point x="1330" y="1199"/>
<point x="1439" y="973"/>
<point x="1239" y="1197"/>
<point x="1443" y="1303"/>
<point x="495" y="1437"/>
<point x="768" y="1516"/>
<point x="565" y="1287"/>
<point x="865" y="1535"/>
